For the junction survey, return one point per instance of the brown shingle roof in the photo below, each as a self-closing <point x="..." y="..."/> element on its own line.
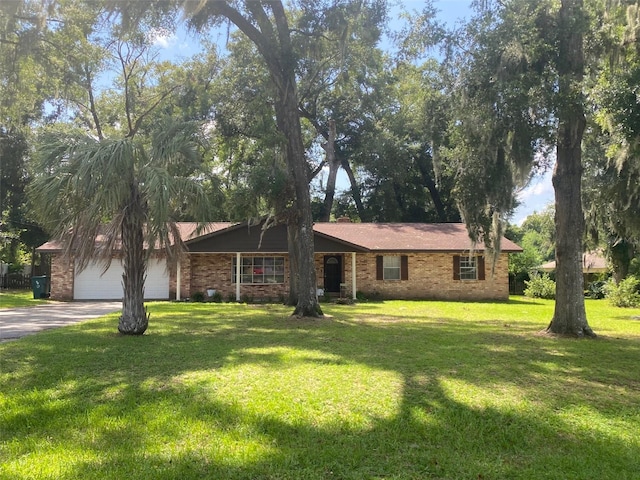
<point x="400" y="237"/>
<point x="592" y="262"/>
<point x="441" y="237"/>
<point x="187" y="231"/>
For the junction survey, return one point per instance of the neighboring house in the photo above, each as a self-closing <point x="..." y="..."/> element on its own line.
<point x="392" y="260"/>
<point x="594" y="264"/>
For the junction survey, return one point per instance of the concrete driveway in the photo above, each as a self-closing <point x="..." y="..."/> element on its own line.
<point x="18" y="322"/>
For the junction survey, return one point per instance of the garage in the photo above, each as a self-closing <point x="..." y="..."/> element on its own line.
<point x="92" y="284"/>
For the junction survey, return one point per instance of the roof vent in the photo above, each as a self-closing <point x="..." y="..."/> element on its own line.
<point x="344" y="220"/>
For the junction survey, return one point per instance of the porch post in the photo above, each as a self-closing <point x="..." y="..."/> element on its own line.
<point x="238" y="270"/>
<point x="178" y="280"/>
<point x="353" y="275"/>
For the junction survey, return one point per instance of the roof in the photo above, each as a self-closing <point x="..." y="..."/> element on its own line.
<point x="188" y="230"/>
<point x="395" y="237"/>
<point x="441" y="237"/>
<point x="591" y="262"/>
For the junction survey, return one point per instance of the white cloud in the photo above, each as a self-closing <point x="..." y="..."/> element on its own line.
<point x="534" y="198"/>
<point x="163" y="39"/>
<point x="540" y="186"/>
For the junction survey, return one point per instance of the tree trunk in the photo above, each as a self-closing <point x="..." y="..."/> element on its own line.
<point x="334" y="165"/>
<point x="355" y="191"/>
<point x="273" y="40"/>
<point x="300" y="224"/>
<point x="134" y="319"/>
<point x="433" y="190"/>
<point x="569" y="317"/>
<point x="621" y="255"/>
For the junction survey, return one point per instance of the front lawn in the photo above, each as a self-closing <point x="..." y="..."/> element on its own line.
<point x="18" y="298"/>
<point x="392" y="390"/>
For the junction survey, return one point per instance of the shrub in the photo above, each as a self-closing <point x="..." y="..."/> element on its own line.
<point x="216" y="297"/>
<point x="197" y="296"/>
<point x="624" y="294"/>
<point x="540" y="286"/>
<point x="596" y="289"/>
<point x="374" y="296"/>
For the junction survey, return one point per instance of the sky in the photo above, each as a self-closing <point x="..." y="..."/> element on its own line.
<point x="534" y="198"/>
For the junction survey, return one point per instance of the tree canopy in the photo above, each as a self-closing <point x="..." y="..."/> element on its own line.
<point x="303" y="100"/>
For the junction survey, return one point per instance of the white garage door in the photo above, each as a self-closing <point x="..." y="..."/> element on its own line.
<point x="92" y="284"/>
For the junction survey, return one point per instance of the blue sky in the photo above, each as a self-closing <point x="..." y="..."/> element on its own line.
<point x="534" y="198"/>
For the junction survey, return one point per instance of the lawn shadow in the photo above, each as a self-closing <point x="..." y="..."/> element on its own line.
<point x="432" y="359"/>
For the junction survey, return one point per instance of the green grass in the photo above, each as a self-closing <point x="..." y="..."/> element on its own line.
<point x="393" y="390"/>
<point x="18" y="298"/>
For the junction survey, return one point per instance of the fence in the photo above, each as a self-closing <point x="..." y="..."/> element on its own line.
<point x="516" y="285"/>
<point x="15" y="280"/>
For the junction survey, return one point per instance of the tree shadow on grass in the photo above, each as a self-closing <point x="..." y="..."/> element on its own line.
<point x="437" y="429"/>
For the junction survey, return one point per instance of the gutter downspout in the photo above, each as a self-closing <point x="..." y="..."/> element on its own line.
<point x="238" y="270"/>
<point x="353" y="275"/>
<point x="178" y="281"/>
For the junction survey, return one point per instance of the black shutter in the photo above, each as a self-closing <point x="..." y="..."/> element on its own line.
<point x="379" y="268"/>
<point x="404" y="267"/>
<point x="456" y="267"/>
<point x="481" y="274"/>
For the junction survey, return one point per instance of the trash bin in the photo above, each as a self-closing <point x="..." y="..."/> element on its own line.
<point x="39" y="285"/>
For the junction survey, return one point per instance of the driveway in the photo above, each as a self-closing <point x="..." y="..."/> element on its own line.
<point x="18" y="322"/>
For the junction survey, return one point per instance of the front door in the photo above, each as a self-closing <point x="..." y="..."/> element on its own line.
<point x="332" y="273"/>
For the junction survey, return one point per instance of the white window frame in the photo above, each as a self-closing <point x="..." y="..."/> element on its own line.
<point x="259" y="270"/>
<point x="468" y="267"/>
<point x="391" y="267"/>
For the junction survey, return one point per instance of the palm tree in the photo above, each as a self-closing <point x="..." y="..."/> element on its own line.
<point x="102" y="197"/>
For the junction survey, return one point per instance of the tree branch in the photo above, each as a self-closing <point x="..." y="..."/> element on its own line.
<point x="150" y="109"/>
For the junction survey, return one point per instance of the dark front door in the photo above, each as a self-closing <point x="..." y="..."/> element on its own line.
<point x="332" y="273"/>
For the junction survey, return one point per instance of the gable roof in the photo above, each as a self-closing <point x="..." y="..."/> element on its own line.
<point x="188" y="230"/>
<point x="371" y="237"/>
<point x="405" y="237"/>
<point x="592" y="262"/>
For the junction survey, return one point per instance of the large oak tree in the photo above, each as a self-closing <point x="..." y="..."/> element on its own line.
<point x="521" y="90"/>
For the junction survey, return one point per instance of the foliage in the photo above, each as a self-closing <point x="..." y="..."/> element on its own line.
<point x="540" y="286"/>
<point x="596" y="289"/>
<point x="117" y="169"/>
<point x="398" y="389"/>
<point x="246" y="298"/>
<point x="19" y="233"/>
<point x="501" y="116"/>
<point x="373" y="296"/>
<point x="522" y="68"/>
<point x="536" y="236"/>
<point x="198" y="296"/>
<point x="626" y="293"/>
<point x="216" y="297"/>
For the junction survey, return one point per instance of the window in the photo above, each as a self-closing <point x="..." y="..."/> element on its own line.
<point x="468" y="268"/>
<point x="390" y="268"/>
<point x="259" y="270"/>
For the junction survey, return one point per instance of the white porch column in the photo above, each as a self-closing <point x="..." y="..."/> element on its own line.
<point x="178" y="280"/>
<point x="238" y="278"/>
<point x="353" y="275"/>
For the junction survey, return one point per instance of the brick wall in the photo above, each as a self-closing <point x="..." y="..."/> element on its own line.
<point x="213" y="270"/>
<point x="61" y="278"/>
<point x="430" y="276"/>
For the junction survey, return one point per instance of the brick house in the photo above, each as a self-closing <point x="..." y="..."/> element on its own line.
<point x="392" y="260"/>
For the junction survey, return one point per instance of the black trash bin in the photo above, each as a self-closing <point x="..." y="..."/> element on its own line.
<point x="39" y="286"/>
